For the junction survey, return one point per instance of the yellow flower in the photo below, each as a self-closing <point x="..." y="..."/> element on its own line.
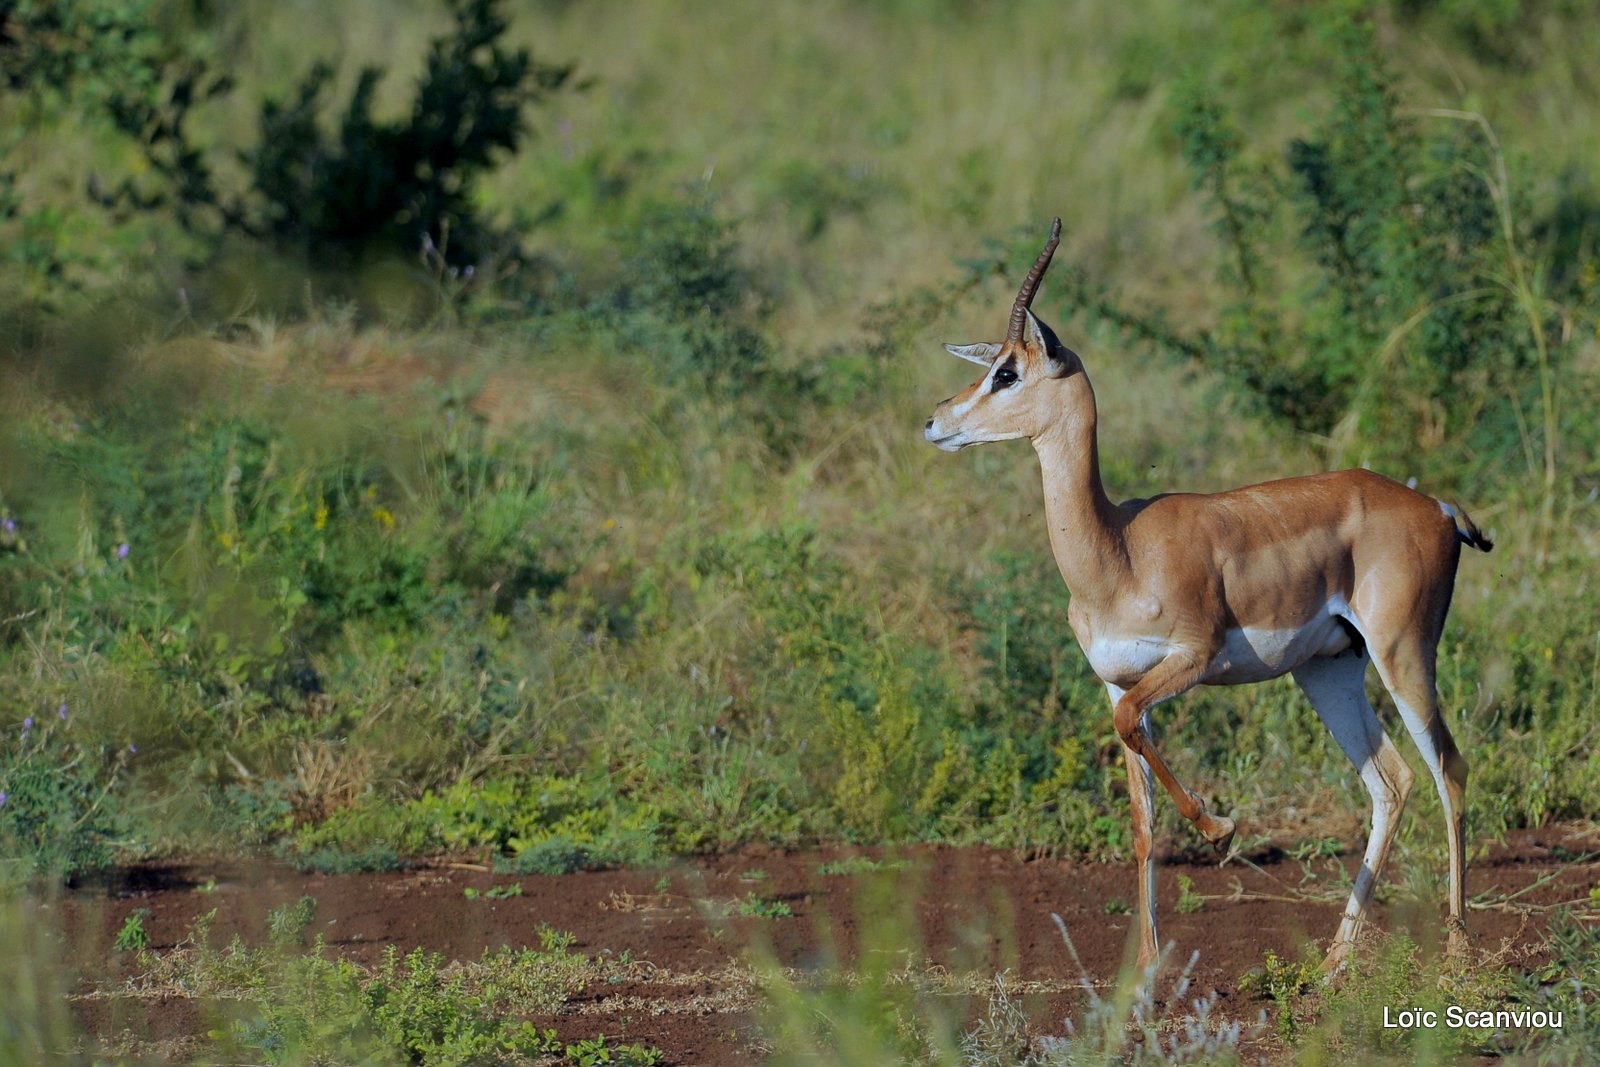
<point x="385" y="517"/>
<point x="320" y="519"/>
<point x="225" y="539"/>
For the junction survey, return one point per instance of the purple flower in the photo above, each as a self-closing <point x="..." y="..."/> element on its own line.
<point x="122" y="550"/>
<point x="27" y="724"/>
<point x="2" y="799"/>
<point x="8" y="525"/>
<point x="134" y="749"/>
<point x="61" y="713"/>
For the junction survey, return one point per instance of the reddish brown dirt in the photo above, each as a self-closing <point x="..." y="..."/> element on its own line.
<point x="980" y="911"/>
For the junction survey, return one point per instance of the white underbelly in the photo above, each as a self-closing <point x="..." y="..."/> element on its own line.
<point x="1248" y="654"/>
<point x="1252" y="654"/>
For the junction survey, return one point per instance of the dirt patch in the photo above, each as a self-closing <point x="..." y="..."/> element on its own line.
<point x="675" y="945"/>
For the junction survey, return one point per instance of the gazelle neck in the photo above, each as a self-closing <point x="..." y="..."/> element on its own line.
<point x="1085" y="534"/>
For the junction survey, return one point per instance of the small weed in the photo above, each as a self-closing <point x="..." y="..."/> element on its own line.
<point x="1283" y="982"/>
<point x="553" y="940"/>
<point x="287" y="925"/>
<point x="133" y="936"/>
<point x="754" y="907"/>
<point x="1317" y="848"/>
<point x="1189" y="901"/>
<point x="753" y="875"/>
<point x="1116" y="906"/>
<point x="494" y="892"/>
<point x="860" y="865"/>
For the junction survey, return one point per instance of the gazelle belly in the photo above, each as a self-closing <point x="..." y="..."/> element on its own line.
<point x="1248" y="653"/>
<point x="1254" y="654"/>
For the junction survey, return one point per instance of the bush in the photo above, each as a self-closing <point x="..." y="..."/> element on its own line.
<point x="60" y="800"/>
<point x="1377" y="286"/>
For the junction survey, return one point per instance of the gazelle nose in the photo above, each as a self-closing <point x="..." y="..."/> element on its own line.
<point x="929" y="424"/>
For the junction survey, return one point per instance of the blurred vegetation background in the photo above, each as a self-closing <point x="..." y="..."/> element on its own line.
<point x="450" y="425"/>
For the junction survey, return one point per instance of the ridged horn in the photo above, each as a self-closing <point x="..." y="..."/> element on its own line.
<point x="1030" y="284"/>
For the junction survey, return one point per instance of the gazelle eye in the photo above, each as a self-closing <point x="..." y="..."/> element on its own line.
<point x="1003" y="377"/>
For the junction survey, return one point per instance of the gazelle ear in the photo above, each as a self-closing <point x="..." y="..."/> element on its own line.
<point x="1060" y="359"/>
<point x="982" y="353"/>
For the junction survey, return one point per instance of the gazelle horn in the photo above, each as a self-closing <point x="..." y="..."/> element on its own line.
<point x="1030" y="284"/>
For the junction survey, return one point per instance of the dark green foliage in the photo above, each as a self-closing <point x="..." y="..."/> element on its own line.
<point x="554" y="855"/>
<point x="330" y="860"/>
<point x="390" y="185"/>
<point x="68" y="46"/>
<point x="367" y="187"/>
<point x="1367" y="279"/>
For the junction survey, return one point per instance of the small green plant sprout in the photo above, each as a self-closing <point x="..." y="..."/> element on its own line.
<point x="1189" y="901"/>
<point x="133" y="936"/>
<point x="1317" y="848"/>
<point x="553" y="940"/>
<point x="664" y="884"/>
<point x="860" y="865"/>
<point x="754" y="874"/>
<point x="1116" y="906"/>
<point x="287" y="925"/>
<point x="754" y="907"/>
<point x="208" y="886"/>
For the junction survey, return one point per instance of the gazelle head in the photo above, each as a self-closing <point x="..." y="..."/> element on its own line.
<point x="1017" y="395"/>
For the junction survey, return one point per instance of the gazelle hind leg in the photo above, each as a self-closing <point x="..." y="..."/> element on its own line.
<point x="1407" y="670"/>
<point x="1335" y="687"/>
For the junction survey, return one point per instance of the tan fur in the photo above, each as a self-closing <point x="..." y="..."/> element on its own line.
<point x="1188" y="589"/>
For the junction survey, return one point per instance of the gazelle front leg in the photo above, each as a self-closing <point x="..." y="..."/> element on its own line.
<point x="1142" y="802"/>
<point x="1176" y="674"/>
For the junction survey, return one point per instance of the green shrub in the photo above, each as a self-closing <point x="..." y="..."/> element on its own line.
<point x="1377" y="283"/>
<point x="558" y="818"/>
<point x="61" y="799"/>
<point x="371" y="186"/>
<point x="554" y="855"/>
<point x="331" y="860"/>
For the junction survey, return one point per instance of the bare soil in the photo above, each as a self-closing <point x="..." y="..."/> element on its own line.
<point x="682" y="980"/>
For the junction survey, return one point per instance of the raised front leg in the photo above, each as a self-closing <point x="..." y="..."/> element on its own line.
<point x="1176" y="674"/>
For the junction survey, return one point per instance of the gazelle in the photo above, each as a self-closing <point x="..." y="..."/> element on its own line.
<point x="1314" y="576"/>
